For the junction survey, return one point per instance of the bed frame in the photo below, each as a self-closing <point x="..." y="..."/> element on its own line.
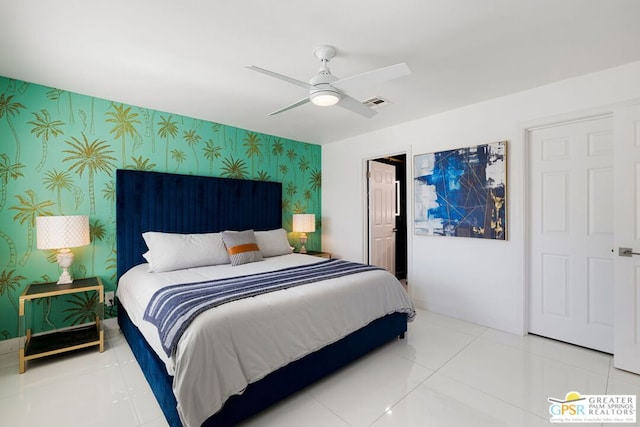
<point x="153" y="201"/>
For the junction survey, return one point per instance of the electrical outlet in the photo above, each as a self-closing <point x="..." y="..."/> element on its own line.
<point x="109" y="298"/>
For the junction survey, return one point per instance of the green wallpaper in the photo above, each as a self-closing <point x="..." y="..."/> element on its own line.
<point x="58" y="155"/>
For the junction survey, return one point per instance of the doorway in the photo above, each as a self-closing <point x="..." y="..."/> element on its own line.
<point x="375" y="207"/>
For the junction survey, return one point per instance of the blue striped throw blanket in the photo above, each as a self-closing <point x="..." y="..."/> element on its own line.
<point x="172" y="309"/>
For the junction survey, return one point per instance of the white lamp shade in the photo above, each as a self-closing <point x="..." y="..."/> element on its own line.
<point x="304" y="223"/>
<point x="59" y="232"/>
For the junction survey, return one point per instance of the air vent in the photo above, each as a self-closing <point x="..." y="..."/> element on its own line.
<point x="376" y="102"/>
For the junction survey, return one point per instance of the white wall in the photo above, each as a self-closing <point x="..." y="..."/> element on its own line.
<point x="476" y="280"/>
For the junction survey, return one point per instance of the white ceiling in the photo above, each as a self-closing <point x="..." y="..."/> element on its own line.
<point x="188" y="57"/>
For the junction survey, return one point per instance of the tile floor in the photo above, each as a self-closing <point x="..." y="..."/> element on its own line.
<point x="446" y="373"/>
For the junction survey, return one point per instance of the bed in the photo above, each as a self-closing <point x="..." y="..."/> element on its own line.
<point x="170" y="203"/>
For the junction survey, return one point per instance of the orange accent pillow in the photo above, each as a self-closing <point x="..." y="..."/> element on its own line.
<point x="241" y="247"/>
<point x="247" y="247"/>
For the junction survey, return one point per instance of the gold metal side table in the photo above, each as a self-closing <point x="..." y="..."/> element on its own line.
<point x="34" y="346"/>
<point x="320" y="254"/>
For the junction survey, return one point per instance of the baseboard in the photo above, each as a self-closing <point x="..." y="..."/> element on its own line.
<point x="9" y="346"/>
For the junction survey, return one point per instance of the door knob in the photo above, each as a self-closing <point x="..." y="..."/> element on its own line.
<point x="627" y="252"/>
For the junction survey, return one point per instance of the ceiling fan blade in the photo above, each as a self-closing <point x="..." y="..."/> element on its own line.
<point x="355" y="106"/>
<point x="281" y="77"/>
<point x="289" y="107"/>
<point x="373" y="77"/>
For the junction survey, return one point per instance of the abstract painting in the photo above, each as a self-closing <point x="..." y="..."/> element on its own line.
<point x="462" y="192"/>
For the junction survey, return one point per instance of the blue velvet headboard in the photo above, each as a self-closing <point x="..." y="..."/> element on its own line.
<point x="154" y="201"/>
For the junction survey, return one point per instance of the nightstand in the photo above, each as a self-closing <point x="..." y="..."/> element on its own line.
<point x="320" y="254"/>
<point x="60" y="340"/>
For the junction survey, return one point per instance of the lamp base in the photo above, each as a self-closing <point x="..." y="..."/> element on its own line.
<point x="65" y="259"/>
<point x="65" y="278"/>
<point x="303" y="241"/>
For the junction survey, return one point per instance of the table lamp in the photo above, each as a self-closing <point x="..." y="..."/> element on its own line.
<point x="304" y="223"/>
<point x="62" y="233"/>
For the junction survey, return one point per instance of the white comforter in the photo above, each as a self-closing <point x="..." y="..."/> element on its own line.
<point x="233" y="345"/>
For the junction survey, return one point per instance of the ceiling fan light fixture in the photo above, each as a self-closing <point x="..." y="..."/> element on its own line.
<point x="325" y="98"/>
<point x="322" y="91"/>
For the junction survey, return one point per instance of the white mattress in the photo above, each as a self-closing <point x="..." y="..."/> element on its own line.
<point x="235" y="344"/>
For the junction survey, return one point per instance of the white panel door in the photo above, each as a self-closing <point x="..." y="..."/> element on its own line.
<point x="571" y="212"/>
<point x="382" y="220"/>
<point x="627" y="235"/>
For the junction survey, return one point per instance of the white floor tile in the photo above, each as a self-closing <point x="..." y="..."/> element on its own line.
<point x="158" y="422"/>
<point x="298" y="410"/>
<point x="8" y="359"/>
<point x="363" y="391"/>
<point x="145" y="403"/>
<point x="449" y="322"/>
<point x="431" y="345"/>
<point x="447" y="372"/>
<point x="96" y="398"/>
<point x="624" y="383"/>
<point x="578" y="356"/>
<point x="441" y="401"/>
<point x="628" y="377"/>
<point x="521" y="378"/>
<point x="68" y="364"/>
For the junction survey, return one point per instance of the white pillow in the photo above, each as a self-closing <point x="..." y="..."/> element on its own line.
<point x="273" y="242"/>
<point x="173" y="251"/>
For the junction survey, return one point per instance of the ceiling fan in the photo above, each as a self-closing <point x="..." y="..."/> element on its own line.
<point x="325" y="89"/>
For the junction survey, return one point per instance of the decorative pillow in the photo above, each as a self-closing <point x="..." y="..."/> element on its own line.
<point x="173" y="251"/>
<point x="273" y="242"/>
<point x="241" y="246"/>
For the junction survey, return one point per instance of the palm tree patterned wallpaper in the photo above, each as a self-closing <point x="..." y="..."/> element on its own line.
<point x="58" y="155"/>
